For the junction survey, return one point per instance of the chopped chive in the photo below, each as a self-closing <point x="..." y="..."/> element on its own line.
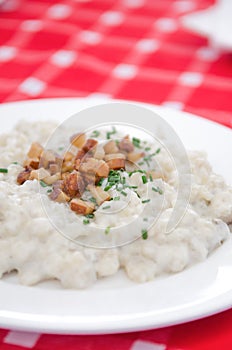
<point x="93" y="200"/>
<point x="136" y="171"/>
<point x="109" y="133"/>
<point x="147" y="149"/>
<point x="145" y="219"/>
<point x="136" y="142"/>
<point x="146" y="201"/>
<point x="100" y="181"/>
<point x="123" y="181"/>
<point x="144" y="234"/>
<point x="49" y="191"/>
<point x="137" y="194"/>
<point x="3" y="170"/>
<point x="124" y="193"/>
<point x="107" y="230"/>
<point x="60" y="148"/>
<point x="107" y="207"/>
<point x="86" y="221"/>
<point x="107" y="188"/>
<point x="95" y="133"/>
<point x="15" y="163"/>
<point x="151" y="178"/>
<point x="144" y="178"/>
<point x="89" y="216"/>
<point x="117" y="198"/>
<point x="134" y="187"/>
<point x="43" y="184"/>
<point x="140" y="163"/>
<point x="157" y="189"/>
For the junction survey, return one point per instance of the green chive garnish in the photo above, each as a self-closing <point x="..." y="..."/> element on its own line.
<point x="3" y="170"/>
<point x="147" y="149"/>
<point x="109" y="133"/>
<point x="49" y="191"/>
<point x="86" y="221"/>
<point x="107" y="230"/>
<point x="107" y="207"/>
<point x="43" y="184"/>
<point x="95" y="133"/>
<point x="145" y="219"/>
<point x="144" y="178"/>
<point x="146" y="201"/>
<point x="117" y="198"/>
<point x="157" y="189"/>
<point x="136" y="142"/>
<point x="124" y="193"/>
<point x="89" y="216"/>
<point x="144" y="234"/>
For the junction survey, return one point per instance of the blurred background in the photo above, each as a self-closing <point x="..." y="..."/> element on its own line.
<point x="164" y="52"/>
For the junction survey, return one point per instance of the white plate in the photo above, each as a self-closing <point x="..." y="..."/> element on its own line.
<point x="117" y="305"/>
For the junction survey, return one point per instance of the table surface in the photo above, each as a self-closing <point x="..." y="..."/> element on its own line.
<point x="126" y="49"/>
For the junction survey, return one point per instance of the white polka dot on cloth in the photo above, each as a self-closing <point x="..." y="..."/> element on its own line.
<point x="134" y="3"/>
<point x="145" y="345"/>
<point x="10" y="5"/>
<point x="184" y="5"/>
<point x="208" y="54"/>
<point x="125" y="71"/>
<point x="167" y="25"/>
<point x="174" y="105"/>
<point x="59" y="11"/>
<point x="112" y="18"/>
<point x="147" y="45"/>
<point x="64" y="58"/>
<point x="7" y="53"/>
<point x="32" y="86"/>
<point x="22" y="339"/>
<point x="90" y="37"/>
<point x="191" y="79"/>
<point x="31" y="25"/>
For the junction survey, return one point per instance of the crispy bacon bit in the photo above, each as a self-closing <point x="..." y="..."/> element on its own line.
<point x="39" y="174"/>
<point x="31" y="163"/>
<point x="47" y="157"/>
<point x="68" y="156"/>
<point x="81" y="207"/>
<point x="78" y="140"/>
<point x="90" y="143"/>
<point x="116" y="161"/>
<point x="126" y="145"/>
<point x="134" y="157"/>
<point x="99" y="153"/>
<point x="35" y="151"/>
<point x="59" y="196"/>
<point x="73" y="184"/>
<point x="95" y="166"/>
<point x="67" y="166"/>
<point x="23" y="176"/>
<point x="50" y="180"/>
<point x="111" y="147"/>
<point x="99" y="194"/>
<point x="54" y="168"/>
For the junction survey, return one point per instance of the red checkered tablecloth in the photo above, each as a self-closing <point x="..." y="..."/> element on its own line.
<point x="126" y="49"/>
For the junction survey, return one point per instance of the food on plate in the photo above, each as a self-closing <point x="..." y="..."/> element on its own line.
<point x="101" y="181"/>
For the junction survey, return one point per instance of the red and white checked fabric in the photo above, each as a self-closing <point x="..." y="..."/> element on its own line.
<point x="126" y="49"/>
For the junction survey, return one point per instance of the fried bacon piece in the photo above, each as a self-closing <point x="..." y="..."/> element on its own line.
<point x="126" y="145"/>
<point x="94" y="166"/>
<point x="35" y="151"/>
<point x="111" y="147"/>
<point x="81" y="207"/>
<point x="134" y="157"/>
<point x="59" y="196"/>
<point x="31" y="163"/>
<point x="90" y="143"/>
<point x="78" y="140"/>
<point x="99" y="194"/>
<point x="24" y="176"/>
<point x="73" y="184"/>
<point x="116" y="161"/>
